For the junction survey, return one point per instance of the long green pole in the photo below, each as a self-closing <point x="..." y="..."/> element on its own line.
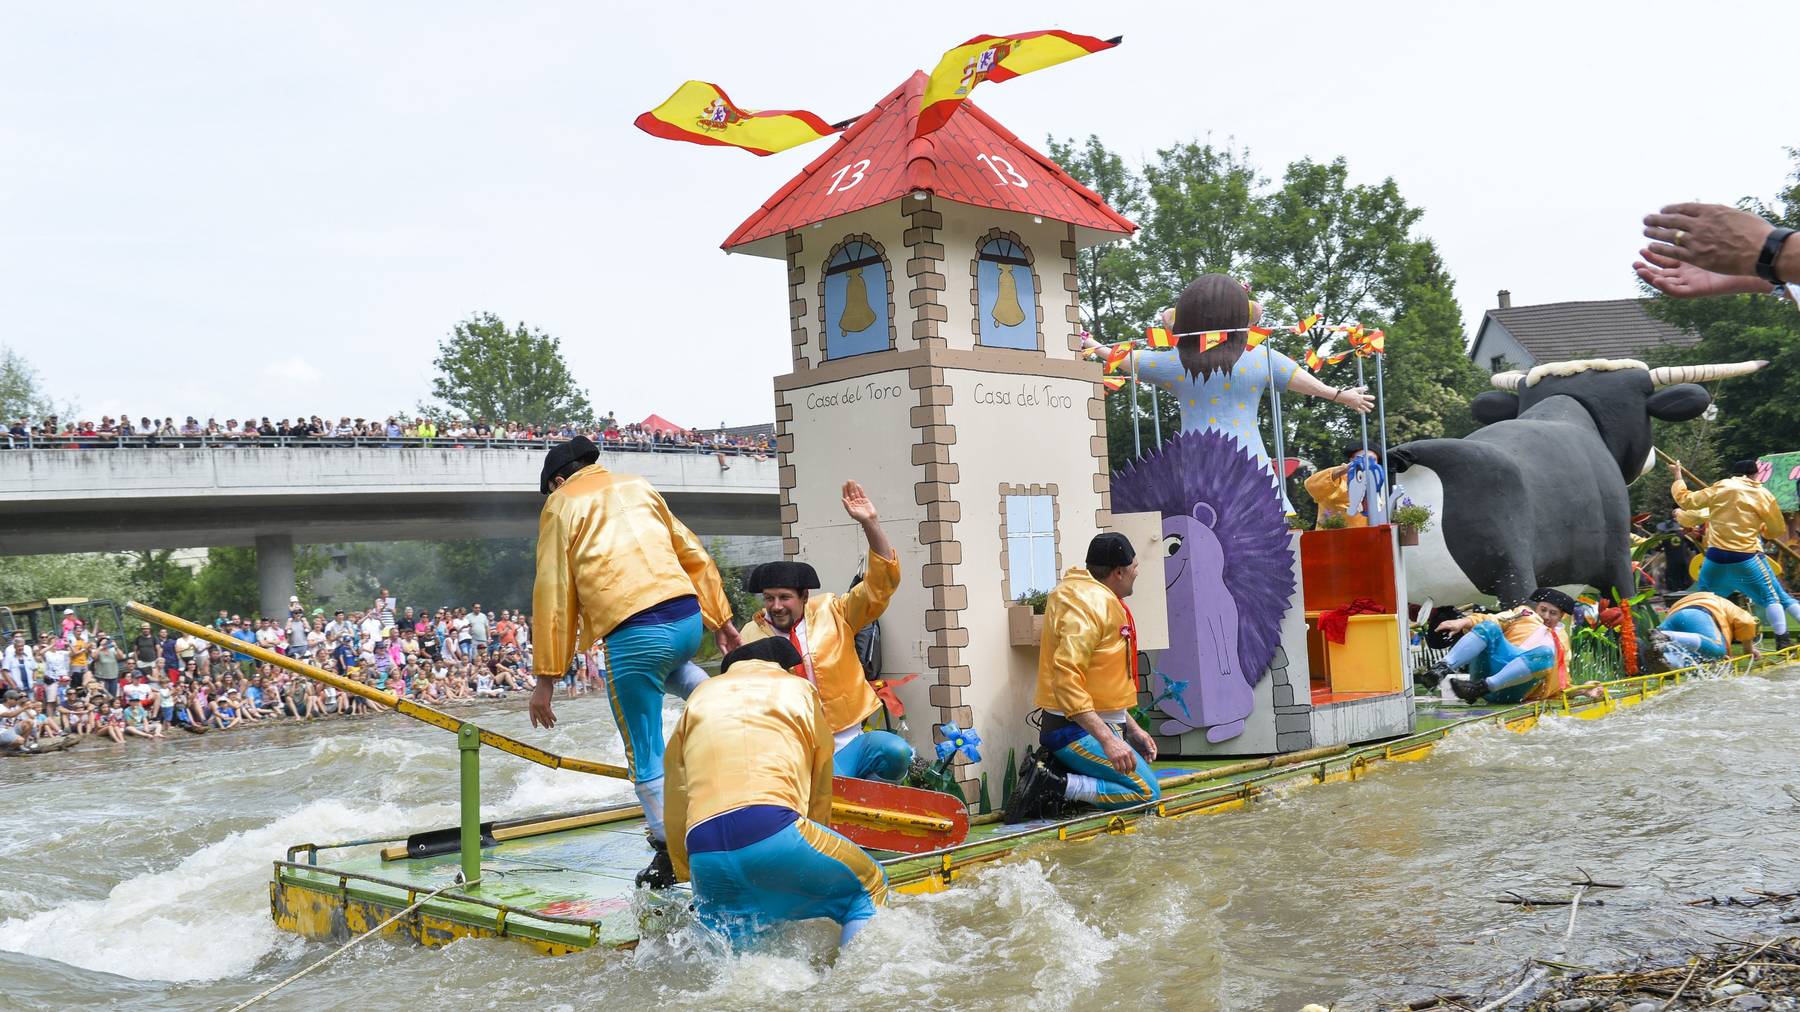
<point x="468" y="745"/>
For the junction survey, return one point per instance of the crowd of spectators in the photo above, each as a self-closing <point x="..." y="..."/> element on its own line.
<point x="77" y="682"/>
<point x="50" y="432"/>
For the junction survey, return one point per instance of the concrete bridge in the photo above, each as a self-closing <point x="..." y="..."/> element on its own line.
<point x="105" y="499"/>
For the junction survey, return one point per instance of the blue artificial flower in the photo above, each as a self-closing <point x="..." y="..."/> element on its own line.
<point x="958" y="740"/>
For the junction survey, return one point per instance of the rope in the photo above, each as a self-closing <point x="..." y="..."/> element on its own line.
<point x="347" y="946"/>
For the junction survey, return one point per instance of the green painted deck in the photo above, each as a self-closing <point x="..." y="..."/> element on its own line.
<point x="573" y="889"/>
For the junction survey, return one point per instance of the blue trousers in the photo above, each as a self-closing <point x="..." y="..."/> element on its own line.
<point x="1696" y="631"/>
<point x="874" y="755"/>
<point x="802" y="871"/>
<point x="1486" y="654"/>
<point x="643" y="663"/>
<point x="1085" y="757"/>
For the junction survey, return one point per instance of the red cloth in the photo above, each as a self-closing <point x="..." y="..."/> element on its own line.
<point x="1335" y="624"/>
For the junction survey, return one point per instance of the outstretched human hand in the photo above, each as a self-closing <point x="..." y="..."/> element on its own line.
<point x="858" y="505"/>
<point x="1356" y="399"/>
<point x="728" y="638"/>
<point x="1678" y="280"/>
<point x="1713" y="237"/>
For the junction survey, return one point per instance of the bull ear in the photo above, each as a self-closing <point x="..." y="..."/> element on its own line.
<point x="1679" y="403"/>
<point x="1492" y="406"/>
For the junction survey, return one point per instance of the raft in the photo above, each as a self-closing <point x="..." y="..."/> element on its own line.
<point x="564" y="883"/>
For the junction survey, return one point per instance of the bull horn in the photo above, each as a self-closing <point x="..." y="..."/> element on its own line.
<point x="1671" y="374"/>
<point x="1511" y="379"/>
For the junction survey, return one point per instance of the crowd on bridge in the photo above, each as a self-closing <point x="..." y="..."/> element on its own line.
<point x="652" y="434"/>
<point x="76" y="681"/>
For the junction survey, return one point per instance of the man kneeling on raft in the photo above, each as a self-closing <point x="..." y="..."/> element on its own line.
<point x="1517" y="655"/>
<point x="822" y="629"/>
<point x="1705" y="625"/>
<point x="749" y="769"/>
<point x="1087" y="662"/>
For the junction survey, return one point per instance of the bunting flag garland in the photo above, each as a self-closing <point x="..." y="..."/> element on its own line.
<point x="1311" y="321"/>
<point x="1116" y="356"/>
<point x="1211" y="339"/>
<point x="1314" y="359"/>
<point x="1257" y="336"/>
<point x="1159" y="337"/>
<point x="1113" y="382"/>
<point x="995" y="58"/>
<point x="701" y="113"/>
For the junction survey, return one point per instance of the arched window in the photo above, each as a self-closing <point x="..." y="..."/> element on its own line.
<point x="856" y="301"/>
<point x="1006" y="312"/>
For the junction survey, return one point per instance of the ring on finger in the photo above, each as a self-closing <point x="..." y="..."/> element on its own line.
<point x="1679" y="237"/>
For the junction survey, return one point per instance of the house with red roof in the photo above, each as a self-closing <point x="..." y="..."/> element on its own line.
<point x="935" y="328"/>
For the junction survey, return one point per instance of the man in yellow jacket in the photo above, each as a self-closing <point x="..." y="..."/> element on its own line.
<point x="1087" y="663"/>
<point x="1739" y="513"/>
<point x="1705" y="625"/>
<point x="822" y="628"/>
<point x="750" y="798"/>
<point x="613" y="564"/>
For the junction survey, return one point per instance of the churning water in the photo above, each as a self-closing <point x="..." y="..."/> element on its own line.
<point x="137" y="877"/>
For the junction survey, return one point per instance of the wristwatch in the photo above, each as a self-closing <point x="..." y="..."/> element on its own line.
<point x="1765" y="261"/>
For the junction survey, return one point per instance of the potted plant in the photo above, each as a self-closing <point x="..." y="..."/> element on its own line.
<point x="1333" y="521"/>
<point x="1025" y="618"/>
<point x="1412" y="519"/>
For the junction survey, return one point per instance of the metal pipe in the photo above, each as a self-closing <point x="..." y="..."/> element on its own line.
<point x="1275" y="422"/>
<point x="1387" y="475"/>
<point x="1137" y="446"/>
<point x="468" y="746"/>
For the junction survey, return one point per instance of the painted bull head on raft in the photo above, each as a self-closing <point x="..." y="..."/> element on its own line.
<point x="1537" y="496"/>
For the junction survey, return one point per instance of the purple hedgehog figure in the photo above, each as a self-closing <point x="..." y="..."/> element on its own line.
<point x="1229" y="570"/>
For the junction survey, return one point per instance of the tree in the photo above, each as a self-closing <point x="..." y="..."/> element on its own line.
<point x="1346" y="251"/>
<point x="21" y="390"/>
<point x="488" y="371"/>
<point x="88" y="574"/>
<point x="1428" y="377"/>
<point x="1204" y="217"/>
<point x="1109" y="273"/>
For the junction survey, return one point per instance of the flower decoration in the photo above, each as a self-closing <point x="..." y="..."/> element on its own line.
<point x="958" y="740"/>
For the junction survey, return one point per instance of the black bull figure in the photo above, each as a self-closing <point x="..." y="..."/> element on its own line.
<point x="1536" y="496"/>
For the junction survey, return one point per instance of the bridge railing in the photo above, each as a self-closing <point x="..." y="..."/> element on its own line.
<point x="198" y="441"/>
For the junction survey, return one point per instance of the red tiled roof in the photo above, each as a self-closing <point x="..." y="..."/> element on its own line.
<point x="966" y="160"/>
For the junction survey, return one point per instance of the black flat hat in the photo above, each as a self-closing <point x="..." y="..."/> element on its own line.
<point x="580" y="448"/>
<point x="774" y="649"/>
<point x="1550" y="595"/>
<point x="1110" y="549"/>
<point x="794" y="575"/>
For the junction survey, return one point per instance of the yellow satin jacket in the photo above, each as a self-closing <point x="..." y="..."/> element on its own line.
<point x="608" y="548"/>
<point x="1084" y="661"/>
<point x="755" y="735"/>
<point x="1735" y="624"/>
<point x="831" y="624"/>
<point x="1739" y="511"/>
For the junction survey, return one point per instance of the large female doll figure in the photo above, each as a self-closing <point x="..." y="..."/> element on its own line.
<point x="1222" y="388"/>
<point x="1227" y="562"/>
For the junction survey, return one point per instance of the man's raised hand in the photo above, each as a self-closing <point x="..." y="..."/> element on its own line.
<point x="857" y="504"/>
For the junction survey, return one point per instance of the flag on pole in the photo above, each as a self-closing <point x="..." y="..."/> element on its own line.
<point x="701" y="113"/>
<point x="995" y="58"/>
<point x="1159" y="337"/>
<point x="1376" y="341"/>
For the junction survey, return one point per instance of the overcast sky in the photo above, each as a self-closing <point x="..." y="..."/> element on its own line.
<point x="236" y="208"/>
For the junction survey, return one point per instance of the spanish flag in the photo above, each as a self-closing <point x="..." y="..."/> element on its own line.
<point x="1159" y="337"/>
<point x="996" y="58"/>
<point x="1375" y="341"/>
<point x="1257" y="336"/>
<point x="1117" y="356"/>
<point x="701" y="113"/>
<point x="1114" y="382"/>
<point x="1311" y="321"/>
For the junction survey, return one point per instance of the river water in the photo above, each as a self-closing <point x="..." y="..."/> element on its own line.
<point x="137" y="877"/>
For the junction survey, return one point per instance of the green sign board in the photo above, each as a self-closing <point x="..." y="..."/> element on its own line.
<point x="1784" y="470"/>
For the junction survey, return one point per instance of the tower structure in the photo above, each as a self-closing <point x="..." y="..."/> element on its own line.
<point x="934" y="324"/>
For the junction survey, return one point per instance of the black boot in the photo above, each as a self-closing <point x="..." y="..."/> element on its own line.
<point x="1039" y="794"/>
<point x="1431" y="677"/>
<point x="661" y="872"/>
<point x="1468" y="689"/>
